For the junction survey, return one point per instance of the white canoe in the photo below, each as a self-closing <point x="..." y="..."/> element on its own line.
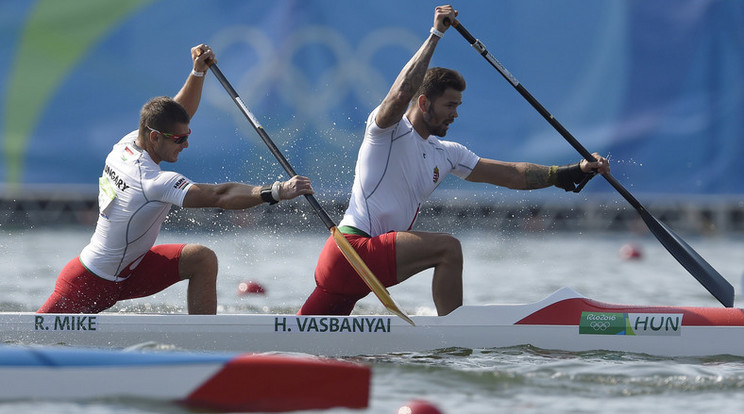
<point x="223" y="382"/>
<point x="563" y="321"/>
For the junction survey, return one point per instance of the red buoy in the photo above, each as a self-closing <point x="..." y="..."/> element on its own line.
<point x="250" y="287"/>
<point x="630" y="251"/>
<point x="419" y="407"/>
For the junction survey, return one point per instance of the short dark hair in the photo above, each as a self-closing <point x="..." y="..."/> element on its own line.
<point x="162" y="113"/>
<point x="437" y="80"/>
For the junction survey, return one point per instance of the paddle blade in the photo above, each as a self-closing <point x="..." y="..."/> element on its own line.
<point x="690" y="260"/>
<point x="367" y="276"/>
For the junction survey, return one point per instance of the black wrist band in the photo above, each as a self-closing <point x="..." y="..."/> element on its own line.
<point x="266" y="195"/>
<point x="568" y="176"/>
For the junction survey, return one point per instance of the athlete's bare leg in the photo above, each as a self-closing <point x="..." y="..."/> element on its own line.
<point x="417" y="251"/>
<point x="198" y="264"/>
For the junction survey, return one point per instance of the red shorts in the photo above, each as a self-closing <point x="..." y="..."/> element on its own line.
<point x="77" y="290"/>
<point x="339" y="286"/>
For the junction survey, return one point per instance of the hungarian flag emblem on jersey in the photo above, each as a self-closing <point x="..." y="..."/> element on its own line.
<point x="436" y="174"/>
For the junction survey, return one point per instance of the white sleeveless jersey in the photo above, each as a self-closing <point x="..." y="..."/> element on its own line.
<point x="135" y="196"/>
<point x="396" y="171"/>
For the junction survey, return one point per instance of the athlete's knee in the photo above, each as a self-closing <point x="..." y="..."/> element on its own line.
<point x="449" y="247"/>
<point x="202" y="254"/>
<point x="198" y="260"/>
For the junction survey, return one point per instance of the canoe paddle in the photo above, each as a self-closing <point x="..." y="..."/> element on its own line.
<point x="351" y="255"/>
<point x="685" y="255"/>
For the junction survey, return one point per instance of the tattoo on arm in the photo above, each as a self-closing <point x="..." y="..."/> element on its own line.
<point x="413" y="74"/>
<point x="406" y="84"/>
<point x="536" y="176"/>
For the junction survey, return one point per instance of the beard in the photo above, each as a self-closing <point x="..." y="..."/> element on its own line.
<point x="438" y="131"/>
<point x="434" y="125"/>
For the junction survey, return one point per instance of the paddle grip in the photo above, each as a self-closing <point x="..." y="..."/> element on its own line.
<point x="463" y="31"/>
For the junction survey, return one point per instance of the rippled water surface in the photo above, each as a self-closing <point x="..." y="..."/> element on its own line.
<point x="499" y="268"/>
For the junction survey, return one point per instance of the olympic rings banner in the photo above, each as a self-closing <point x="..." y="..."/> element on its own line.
<point x="659" y="86"/>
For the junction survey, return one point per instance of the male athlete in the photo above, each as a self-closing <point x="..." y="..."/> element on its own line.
<point x="400" y="162"/>
<point x="135" y="195"/>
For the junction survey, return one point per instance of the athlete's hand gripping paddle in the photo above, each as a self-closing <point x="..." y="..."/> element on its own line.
<point x="351" y="255"/>
<point x="685" y="255"/>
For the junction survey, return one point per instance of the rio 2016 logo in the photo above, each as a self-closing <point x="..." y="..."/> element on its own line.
<point x="608" y="323"/>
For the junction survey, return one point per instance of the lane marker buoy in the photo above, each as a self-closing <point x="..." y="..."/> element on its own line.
<point x="630" y="251"/>
<point x="419" y="407"/>
<point x="251" y="287"/>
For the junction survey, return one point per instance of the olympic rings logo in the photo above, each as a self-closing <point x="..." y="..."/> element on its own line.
<point x="599" y="326"/>
<point x="273" y="71"/>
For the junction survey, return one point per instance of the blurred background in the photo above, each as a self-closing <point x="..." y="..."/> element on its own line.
<point x="657" y="86"/>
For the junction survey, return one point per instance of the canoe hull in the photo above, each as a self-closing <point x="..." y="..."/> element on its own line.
<point x="212" y="381"/>
<point x="564" y="321"/>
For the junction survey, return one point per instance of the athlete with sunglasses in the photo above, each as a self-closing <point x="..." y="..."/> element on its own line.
<point x="122" y="261"/>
